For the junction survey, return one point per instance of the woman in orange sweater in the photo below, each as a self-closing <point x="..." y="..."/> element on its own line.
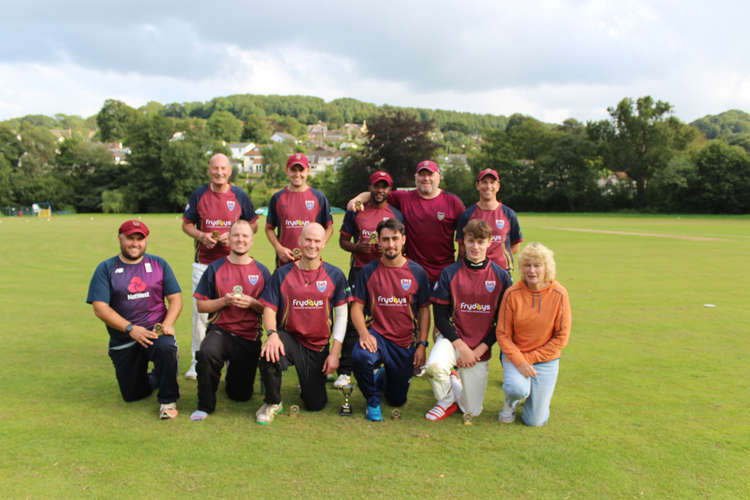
<point x="533" y="326"/>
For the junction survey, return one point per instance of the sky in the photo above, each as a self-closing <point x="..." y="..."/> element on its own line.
<point x="552" y="60"/>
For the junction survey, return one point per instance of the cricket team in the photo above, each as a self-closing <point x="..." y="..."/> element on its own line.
<point x="373" y="326"/>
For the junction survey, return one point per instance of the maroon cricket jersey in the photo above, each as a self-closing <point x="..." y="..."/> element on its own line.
<point x="505" y="232"/>
<point x="474" y="296"/>
<point x="219" y="279"/>
<point x="430" y="225"/>
<point x="290" y="211"/>
<point x="393" y="297"/>
<point x="211" y="211"/>
<point x="362" y="225"/>
<point x="304" y="301"/>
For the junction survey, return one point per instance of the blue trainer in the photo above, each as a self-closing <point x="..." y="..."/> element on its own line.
<point x="373" y="414"/>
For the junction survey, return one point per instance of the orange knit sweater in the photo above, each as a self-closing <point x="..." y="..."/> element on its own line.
<point x="533" y="326"/>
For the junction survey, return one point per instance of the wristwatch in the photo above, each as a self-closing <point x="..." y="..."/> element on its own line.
<point x="422" y="342"/>
<point x="269" y="332"/>
<point x="129" y="328"/>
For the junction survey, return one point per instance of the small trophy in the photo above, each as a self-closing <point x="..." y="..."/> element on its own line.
<point x="468" y="419"/>
<point x="237" y="291"/>
<point x="158" y="329"/>
<point x="294" y="411"/>
<point x="297" y="253"/>
<point x="346" y="408"/>
<point x="395" y="414"/>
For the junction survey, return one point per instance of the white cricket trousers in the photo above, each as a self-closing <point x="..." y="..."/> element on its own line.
<point x="200" y="320"/>
<point x="442" y="360"/>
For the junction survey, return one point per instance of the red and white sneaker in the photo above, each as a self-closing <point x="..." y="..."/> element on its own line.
<point x="439" y="413"/>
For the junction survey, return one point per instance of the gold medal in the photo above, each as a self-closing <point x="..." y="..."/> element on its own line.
<point x="358" y="205"/>
<point x="237" y="291"/>
<point x="373" y="238"/>
<point x="215" y="235"/>
<point x="158" y="329"/>
<point x="297" y="253"/>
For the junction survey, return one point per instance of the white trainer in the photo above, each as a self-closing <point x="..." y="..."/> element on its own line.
<point x="191" y="374"/>
<point x="342" y="381"/>
<point x="265" y="413"/>
<point x="507" y="415"/>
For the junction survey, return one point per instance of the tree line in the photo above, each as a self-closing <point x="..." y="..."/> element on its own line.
<point x="640" y="158"/>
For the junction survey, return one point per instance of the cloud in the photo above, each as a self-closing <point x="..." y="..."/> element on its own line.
<point x="549" y="58"/>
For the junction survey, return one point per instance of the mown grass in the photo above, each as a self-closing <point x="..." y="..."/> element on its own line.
<point x="651" y="401"/>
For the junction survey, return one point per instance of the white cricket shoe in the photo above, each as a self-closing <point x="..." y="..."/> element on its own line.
<point x="342" y="381"/>
<point x="191" y="374"/>
<point x="265" y="413"/>
<point x="507" y="415"/>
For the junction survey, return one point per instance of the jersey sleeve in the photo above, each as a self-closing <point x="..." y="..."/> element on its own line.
<point x="503" y="277"/>
<point x="272" y="220"/>
<point x="191" y="209"/>
<point x="359" y="291"/>
<point x="423" y="294"/>
<point x="441" y="293"/>
<point x="396" y="196"/>
<point x="170" y="285"/>
<point x="342" y="294"/>
<point x="398" y="215"/>
<point x="349" y="226"/>
<point x="248" y="211"/>
<point x="99" y="288"/>
<point x="206" y="289"/>
<point x="271" y="296"/>
<point x="324" y="218"/>
<point x="462" y="221"/>
<point x="515" y="229"/>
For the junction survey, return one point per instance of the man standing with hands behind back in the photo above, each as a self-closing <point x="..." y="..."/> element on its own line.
<point x="293" y="208"/>
<point x="210" y="212"/>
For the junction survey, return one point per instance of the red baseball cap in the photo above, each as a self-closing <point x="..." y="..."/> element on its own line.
<point x="133" y="226"/>
<point x="381" y="176"/>
<point x="297" y="159"/>
<point x="429" y="165"/>
<point x="487" y="171"/>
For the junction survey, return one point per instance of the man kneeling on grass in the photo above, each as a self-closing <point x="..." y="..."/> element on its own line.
<point x="298" y="302"/>
<point x="228" y="290"/>
<point x="466" y="300"/>
<point x="396" y="292"/>
<point x="127" y="292"/>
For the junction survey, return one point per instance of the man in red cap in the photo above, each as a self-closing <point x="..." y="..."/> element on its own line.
<point x="506" y="233"/>
<point x="127" y="292"/>
<point x="361" y="226"/>
<point x="293" y="208"/>
<point x="210" y="212"/>
<point x="431" y="215"/>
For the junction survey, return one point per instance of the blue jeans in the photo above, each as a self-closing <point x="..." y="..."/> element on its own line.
<point x="537" y="390"/>
<point x="399" y="367"/>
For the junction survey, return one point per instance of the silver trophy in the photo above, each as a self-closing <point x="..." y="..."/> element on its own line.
<point x="346" y="408"/>
<point x="395" y="414"/>
<point x="468" y="419"/>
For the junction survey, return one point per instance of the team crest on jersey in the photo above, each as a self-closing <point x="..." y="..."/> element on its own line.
<point x="230" y="205"/>
<point x="489" y="285"/>
<point x="322" y="285"/>
<point x="441" y="215"/>
<point x="309" y="204"/>
<point x="500" y="223"/>
<point x="253" y="278"/>
<point x="406" y="283"/>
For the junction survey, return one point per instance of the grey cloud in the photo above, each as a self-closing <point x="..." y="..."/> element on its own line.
<point x="428" y="46"/>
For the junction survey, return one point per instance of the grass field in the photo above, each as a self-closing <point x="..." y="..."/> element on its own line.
<point x="652" y="399"/>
